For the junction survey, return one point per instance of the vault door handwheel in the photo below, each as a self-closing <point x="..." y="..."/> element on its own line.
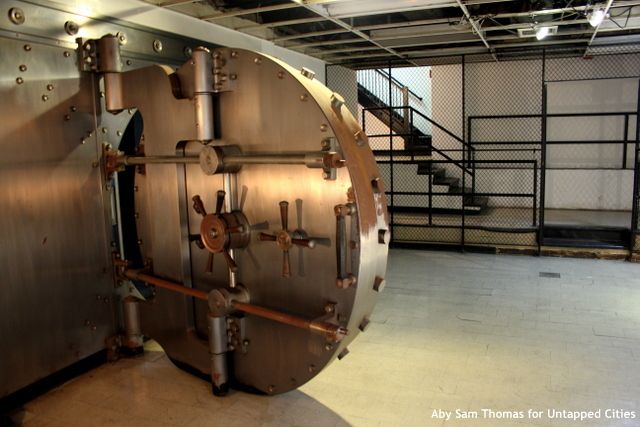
<point x="220" y="231"/>
<point x="286" y="239"/>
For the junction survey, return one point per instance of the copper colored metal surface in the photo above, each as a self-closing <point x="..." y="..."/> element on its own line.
<point x="165" y="284"/>
<point x="331" y="331"/>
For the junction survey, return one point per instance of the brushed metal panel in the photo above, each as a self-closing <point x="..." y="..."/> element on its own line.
<point x="54" y="250"/>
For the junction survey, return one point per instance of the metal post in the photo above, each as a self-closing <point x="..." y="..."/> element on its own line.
<point x="535" y="192"/>
<point x="430" y="193"/>
<point x="636" y="176"/>
<point x="462" y="232"/>
<point x="391" y="152"/>
<point x="217" y="326"/>
<point x="625" y="138"/>
<point x="133" y="342"/>
<point x="543" y="166"/>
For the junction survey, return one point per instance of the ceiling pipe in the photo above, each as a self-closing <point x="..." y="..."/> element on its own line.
<point x="476" y="28"/>
<point x="595" y="31"/>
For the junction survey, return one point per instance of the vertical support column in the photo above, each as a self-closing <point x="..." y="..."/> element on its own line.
<point x="543" y="150"/>
<point x="392" y="222"/>
<point x="133" y="334"/>
<point x="218" y="352"/>
<point x="543" y="166"/>
<point x="636" y="177"/>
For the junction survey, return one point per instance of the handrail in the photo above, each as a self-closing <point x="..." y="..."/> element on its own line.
<point x="520" y="116"/>
<point x="397" y="82"/>
<point x="447" y="131"/>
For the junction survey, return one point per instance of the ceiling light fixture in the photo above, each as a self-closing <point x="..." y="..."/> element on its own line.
<point x="542" y="32"/>
<point x="596" y="17"/>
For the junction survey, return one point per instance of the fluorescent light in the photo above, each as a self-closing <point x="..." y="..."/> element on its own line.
<point x="596" y="17"/>
<point x="542" y="32"/>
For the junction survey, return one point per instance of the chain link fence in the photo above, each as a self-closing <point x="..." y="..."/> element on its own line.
<point x="475" y="151"/>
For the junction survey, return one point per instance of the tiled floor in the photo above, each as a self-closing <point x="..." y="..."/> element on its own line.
<point x="452" y="331"/>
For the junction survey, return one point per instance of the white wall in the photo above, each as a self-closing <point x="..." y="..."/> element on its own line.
<point x="515" y="87"/>
<point x="165" y="19"/>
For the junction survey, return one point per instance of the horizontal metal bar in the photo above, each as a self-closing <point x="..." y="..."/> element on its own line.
<point x="523" y="230"/>
<point x="518" y="161"/>
<point x="470" y="194"/>
<point x="250" y="11"/>
<point x="165" y="284"/>
<point x="606" y="142"/>
<point x="334" y="332"/>
<point x="516" y="116"/>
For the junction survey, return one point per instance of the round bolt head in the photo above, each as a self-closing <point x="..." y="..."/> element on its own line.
<point x="49" y="87"/>
<point x="22" y="68"/>
<point x="71" y="28"/>
<point x="19" y="80"/>
<point x="66" y="54"/>
<point x="27" y="47"/>
<point x="16" y="15"/>
<point x="157" y="46"/>
<point x="45" y="98"/>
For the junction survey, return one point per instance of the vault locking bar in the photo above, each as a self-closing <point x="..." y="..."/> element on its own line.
<point x="329" y="330"/>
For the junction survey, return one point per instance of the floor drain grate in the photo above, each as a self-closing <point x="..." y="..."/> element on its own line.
<point x="549" y="274"/>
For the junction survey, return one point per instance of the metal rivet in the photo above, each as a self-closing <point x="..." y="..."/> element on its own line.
<point x="312" y="368"/>
<point x="22" y="68"/>
<point x="245" y="343"/>
<point x="281" y="74"/>
<point x="139" y="241"/>
<point x="83" y="141"/>
<point x="310" y="74"/>
<point x="128" y="62"/>
<point x="19" y="80"/>
<point x="234" y="54"/>
<point x="71" y="28"/>
<point x="378" y="284"/>
<point x="49" y="87"/>
<point x="101" y="94"/>
<point x="119" y="133"/>
<point x="271" y="388"/>
<point x="157" y="46"/>
<point x="304" y="97"/>
<point x="328" y="346"/>
<point x="337" y="101"/>
<point x="257" y="61"/>
<point x="73" y="108"/>
<point x="187" y="51"/>
<point x="67" y="117"/>
<point x="323" y="127"/>
<point x="27" y="47"/>
<point x="122" y="38"/>
<point x="66" y="54"/>
<point x="104" y="130"/>
<point x="233" y="76"/>
<point x="16" y="15"/>
<point x="45" y="98"/>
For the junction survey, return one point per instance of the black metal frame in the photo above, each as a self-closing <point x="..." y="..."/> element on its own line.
<point x="469" y="163"/>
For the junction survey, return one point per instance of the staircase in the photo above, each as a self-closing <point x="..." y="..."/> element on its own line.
<point x="424" y="177"/>
<point x="442" y="183"/>
<point x="414" y="139"/>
